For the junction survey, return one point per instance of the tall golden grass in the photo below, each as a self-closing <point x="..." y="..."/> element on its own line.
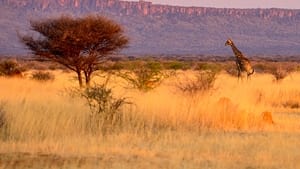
<point x="220" y="128"/>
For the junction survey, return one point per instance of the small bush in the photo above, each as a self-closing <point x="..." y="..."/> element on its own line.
<point x="261" y="67"/>
<point x="209" y="67"/>
<point x="293" y="104"/>
<point x="231" y="69"/>
<point x="10" y="68"/>
<point x="2" y="116"/>
<point x="203" y="81"/>
<point x="278" y="72"/>
<point x="42" y="76"/>
<point x="3" y="122"/>
<point x="176" y="65"/>
<point x="144" y="77"/>
<point x="105" y="109"/>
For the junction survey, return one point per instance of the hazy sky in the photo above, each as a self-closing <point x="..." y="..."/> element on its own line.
<point x="294" y="4"/>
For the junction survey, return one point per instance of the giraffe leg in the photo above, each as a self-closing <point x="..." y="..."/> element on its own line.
<point x="239" y="76"/>
<point x="239" y="72"/>
<point x="248" y="77"/>
<point x="249" y="74"/>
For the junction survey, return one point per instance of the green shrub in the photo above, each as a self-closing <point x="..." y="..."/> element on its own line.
<point x="261" y="67"/>
<point x="156" y="66"/>
<point x="2" y="116"/>
<point x="213" y="67"/>
<point x="10" y="68"/>
<point x="202" y="81"/>
<point x="105" y="109"/>
<point x="231" y="69"/>
<point x="293" y="104"/>
<point x="3" y="122"/>
<point x="176" y="65"/>
<point x="42" y="76"/>
<point x="278" y="73"/>
<point x="145" y="76"/>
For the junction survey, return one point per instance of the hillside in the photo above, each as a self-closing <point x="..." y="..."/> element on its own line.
<point x="164" y="29"/>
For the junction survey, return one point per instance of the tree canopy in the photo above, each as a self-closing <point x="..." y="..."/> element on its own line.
<point x="79" y="44"/>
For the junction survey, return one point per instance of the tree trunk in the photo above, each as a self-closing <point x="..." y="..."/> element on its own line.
<point x="87" y="78"/>
<point x="79" y="78"/>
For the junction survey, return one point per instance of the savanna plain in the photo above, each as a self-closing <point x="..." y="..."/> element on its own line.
<point x="230" y="124"/>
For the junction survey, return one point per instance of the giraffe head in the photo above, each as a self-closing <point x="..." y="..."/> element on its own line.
<point x="229" y="42"/>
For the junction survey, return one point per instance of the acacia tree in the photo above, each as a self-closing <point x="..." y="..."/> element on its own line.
<point x="80" y="44"/>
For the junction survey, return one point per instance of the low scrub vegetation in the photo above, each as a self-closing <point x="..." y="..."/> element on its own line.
<point x="279" y="73"/>
<point x="3" y="121"/>
<point x="177" y="65"/>
<point x="10" y="68"/>
<point x="144" y="76"/>
<point x="105" y="108"/>
<point x="2" y="116"/>
<point x="201" y="81"/>
<point x="231" y="69"/>
<point x="42" y="76"/>
<point x="211" y="67"/>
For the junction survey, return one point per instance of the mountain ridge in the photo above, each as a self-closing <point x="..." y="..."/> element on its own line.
<point x="148" y="8"/>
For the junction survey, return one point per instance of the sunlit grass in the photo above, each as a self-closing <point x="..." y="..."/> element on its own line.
<point x="163" y="128"/>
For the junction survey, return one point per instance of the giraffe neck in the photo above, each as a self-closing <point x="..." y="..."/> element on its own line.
<point x="236" y="51"/>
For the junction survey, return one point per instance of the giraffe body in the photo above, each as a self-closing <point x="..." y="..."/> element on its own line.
<point x="242" y="63"/>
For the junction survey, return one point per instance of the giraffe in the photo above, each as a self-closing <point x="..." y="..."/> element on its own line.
<point x="242" y="63"/>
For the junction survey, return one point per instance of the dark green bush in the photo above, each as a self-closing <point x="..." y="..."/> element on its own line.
<point x="278" y="73"/>
<point x="3" y="122"/>
<point x="202" y="81"/>
<point x="145" y="76"/>
<point x="261" y="67"/>
<point x="42" y="76"/>
<point x="10" y="68"/>
<point x="176" y="65"/>
<point x="231" y="69"/>
<point x="213" y="67"/>
<point x="105" y="109"/>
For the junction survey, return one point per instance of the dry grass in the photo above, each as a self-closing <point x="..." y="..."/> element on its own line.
<point x="223" y="128"/>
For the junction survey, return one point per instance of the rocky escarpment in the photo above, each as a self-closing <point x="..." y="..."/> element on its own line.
<point x="147" y="8"/>
<point x="166" y="29"/>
